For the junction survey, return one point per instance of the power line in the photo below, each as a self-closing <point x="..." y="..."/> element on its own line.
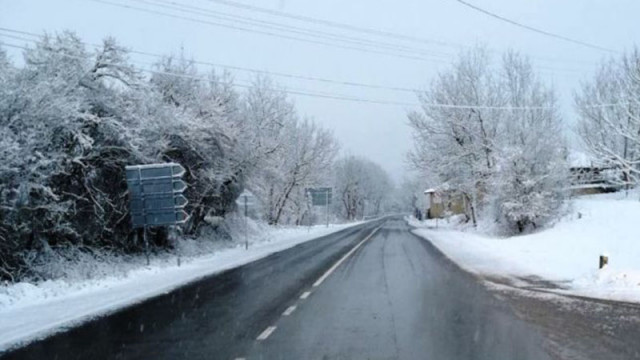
<point x="308" y="32"/>
<point x="536" y="30"/>
<point x="334" y="24"/>
<point x="237" y="68"/>
<point x="256" y="71"/>
<point x="17" y="37"/>
<point x="267" y="33"/>
<point x="365" y="30"/>
<point x="338" y="96"/>
<point x="285" y="27"/>
<point x="326" y="35"/>
<point x="203" y="78"/>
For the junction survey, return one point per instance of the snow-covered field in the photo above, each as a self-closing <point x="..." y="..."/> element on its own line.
<point x="566" y="253"/>
<point x="30" y="311"/>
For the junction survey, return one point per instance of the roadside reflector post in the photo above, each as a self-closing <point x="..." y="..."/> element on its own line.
<point x="604" y="260"/>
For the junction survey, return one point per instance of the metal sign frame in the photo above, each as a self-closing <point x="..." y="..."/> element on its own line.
<point x="322" y="196"/>
<point x="317" y="195"/>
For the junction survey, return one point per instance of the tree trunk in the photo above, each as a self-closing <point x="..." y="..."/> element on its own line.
<point x="281" y="204"/>
<point x="472" y="209"/>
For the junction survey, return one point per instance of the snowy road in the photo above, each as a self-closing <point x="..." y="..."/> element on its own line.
<point x="382" y="294"/>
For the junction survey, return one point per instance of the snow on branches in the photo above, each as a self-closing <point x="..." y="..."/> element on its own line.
<point x="499" y="143"/>
<point x="73" y="117"/>
<point x="611" y="134"/>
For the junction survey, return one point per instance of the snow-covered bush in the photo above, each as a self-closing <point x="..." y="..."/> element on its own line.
<point x="66" y="144"/>
<point x="526" y="193"/>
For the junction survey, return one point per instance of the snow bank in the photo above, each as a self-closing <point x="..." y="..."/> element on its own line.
<point x="566" y="254"/>
<point x="31" y="311"/>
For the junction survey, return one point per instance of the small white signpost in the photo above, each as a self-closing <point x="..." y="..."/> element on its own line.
<point x="245" y="196"/>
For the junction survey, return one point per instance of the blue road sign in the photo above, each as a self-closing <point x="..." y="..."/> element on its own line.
<point x="155" y="193"/>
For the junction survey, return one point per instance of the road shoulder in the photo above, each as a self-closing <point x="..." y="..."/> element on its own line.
<point x="574" y="326"/>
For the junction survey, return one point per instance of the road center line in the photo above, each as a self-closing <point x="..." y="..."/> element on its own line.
<point x="268" y="331"/>
<point x="335" y="266"/>
<point x="289" y="310"/>
<point x="265" y="334"/>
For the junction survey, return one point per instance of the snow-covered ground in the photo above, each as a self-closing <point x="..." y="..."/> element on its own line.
<point x="30" y="311"/>
<point x="566" y="253"/>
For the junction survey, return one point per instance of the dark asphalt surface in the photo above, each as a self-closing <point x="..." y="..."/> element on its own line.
<point x="395" y="297"/>
<point x="398" y="298"/>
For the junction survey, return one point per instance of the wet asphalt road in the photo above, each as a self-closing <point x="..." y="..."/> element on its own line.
<point x="394" y="297"/>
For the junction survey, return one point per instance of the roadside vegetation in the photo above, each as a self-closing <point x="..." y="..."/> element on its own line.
<point x="72" y="117"/>
<point x="491" y="131"/>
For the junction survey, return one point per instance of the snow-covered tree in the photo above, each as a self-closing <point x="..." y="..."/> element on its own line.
<point x="409" y="195"/>
<point x="495" y="136"/>
<point x="457" y="144"/>
<point x="611" y="133"/>
<point x="290" y="154"/>
<point x="531" y="171"/>
<point x="60" y="120"/>
<point x="200" y="129"/>
<point x="307" y="156"/>
<point x="73" y="117"/>
<point x="361" y="187"/>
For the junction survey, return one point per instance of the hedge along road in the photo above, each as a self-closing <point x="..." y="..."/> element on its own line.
<point x="371" y="291"/>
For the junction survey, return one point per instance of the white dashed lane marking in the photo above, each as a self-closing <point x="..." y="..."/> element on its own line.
<point x="289" y="310"/>
<point x="265" y="334"/>
<point x="268" y="331"/>
<point x="335" y="266"/>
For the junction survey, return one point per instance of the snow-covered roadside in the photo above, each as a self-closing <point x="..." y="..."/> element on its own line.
<point x="566" y="254"/>
<point x="31" y="311"/>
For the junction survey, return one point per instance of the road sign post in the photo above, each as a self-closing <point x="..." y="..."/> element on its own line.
<point x="155" y="193"/>
<point x="326" y="204"/>
<point x="245" y="200"/>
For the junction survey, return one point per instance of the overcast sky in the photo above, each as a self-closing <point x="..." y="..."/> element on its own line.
<point x="379" y="132"/>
